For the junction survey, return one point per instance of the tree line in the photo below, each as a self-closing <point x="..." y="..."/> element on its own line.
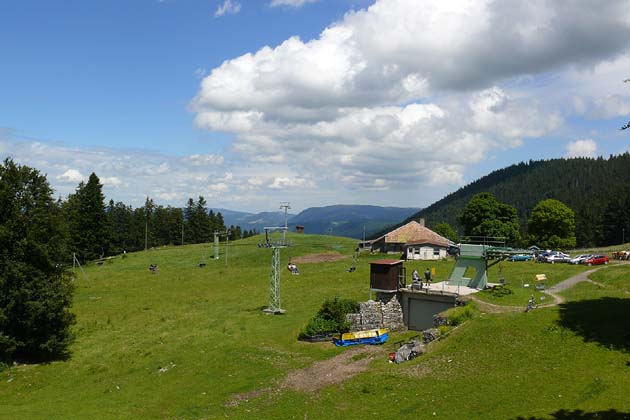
<point x="596" y="189"/>
<point x="550" y="226"/>
<point x="96" y="229"/>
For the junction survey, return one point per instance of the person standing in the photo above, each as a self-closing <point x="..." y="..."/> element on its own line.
<point x="427" y="277"/>
<point x="415" y="277"/>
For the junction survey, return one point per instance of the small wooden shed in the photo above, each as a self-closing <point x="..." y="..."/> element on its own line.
<point x="387" y="275"/>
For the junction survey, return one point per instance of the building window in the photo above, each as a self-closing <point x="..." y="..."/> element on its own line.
<point x="436" y="252"/>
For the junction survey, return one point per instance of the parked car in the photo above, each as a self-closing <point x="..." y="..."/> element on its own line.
<point x="596" y="260"/>
<point x="558" y="257"/>
<point x="579" y="258"/>
<point x="521" y="257"/>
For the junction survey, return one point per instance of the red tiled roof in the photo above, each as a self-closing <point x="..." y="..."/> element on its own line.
<point x="426" y="242"/>
<point x="413" y="232"/>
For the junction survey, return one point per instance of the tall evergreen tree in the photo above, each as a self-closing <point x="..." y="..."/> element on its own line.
<point x="35" y="294"/>
<point x="189" y="230"/>
<point x="122" y="227"/>
<point x="88" y="222"/>
<point x="202" y="221"/>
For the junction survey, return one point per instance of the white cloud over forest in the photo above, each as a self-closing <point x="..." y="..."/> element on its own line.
<point x="582" y="148"/>
<point x="400" y="95"/>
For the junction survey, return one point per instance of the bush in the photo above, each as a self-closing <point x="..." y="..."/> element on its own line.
<point x="331" y="318"/>
<point x="461" y="314"/>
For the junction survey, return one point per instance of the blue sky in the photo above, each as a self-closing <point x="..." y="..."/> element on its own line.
<point x="248" y="103"/>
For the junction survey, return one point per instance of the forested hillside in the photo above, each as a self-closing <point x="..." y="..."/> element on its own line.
<point x="596" y="189"/>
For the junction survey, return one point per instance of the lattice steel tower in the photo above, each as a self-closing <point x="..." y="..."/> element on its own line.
<point x="275" y="304"/>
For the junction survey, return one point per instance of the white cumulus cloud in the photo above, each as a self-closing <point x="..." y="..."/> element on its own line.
<point x="71" y="175"/>
<point x="406" y="93"/>
<point x="582" y="148"/>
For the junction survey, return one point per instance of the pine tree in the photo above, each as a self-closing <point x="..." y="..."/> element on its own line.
<point x="35" y="294"/>
<point x="88" y="222"/>
<point x="202" y="221"/>
<point x="189" y="230"/>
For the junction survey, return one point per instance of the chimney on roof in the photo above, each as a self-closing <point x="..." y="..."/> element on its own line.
<point x="421" y="221"/>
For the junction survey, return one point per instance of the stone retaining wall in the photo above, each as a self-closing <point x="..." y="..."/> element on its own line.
<point x="384" y="312"/>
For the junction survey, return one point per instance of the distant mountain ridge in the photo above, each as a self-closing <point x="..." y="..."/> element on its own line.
<point x="340" y="220"/>
<point x="349" y="220"/>
<point x="586" y="185"/>
<point x="253" y="221"/>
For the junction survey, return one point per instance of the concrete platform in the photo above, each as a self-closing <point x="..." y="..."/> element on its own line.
<point x="444" y="288"/>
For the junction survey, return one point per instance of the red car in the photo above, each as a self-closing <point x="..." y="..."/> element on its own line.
<point x="596" y="260"/>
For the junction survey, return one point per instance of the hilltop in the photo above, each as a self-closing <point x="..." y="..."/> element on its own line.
<point x="586" y="185"/>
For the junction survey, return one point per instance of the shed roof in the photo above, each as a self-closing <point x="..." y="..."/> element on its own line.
<point x="386" y="262"/>
<point x="413" y="232"/>
<point x="426" y="243"/>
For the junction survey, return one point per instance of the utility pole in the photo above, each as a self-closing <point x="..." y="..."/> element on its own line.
<point x="286" y="206"/>
<point x="216" y="245"/>
<point x="227" y="241"/>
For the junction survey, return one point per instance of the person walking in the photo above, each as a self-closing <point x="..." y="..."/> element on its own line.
<point x="427" y="277"/>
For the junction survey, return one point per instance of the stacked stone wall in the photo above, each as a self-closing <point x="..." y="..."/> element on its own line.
<point x="384" y="312"/>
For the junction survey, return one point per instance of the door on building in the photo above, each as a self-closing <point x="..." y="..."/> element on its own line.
<point x="421" y="313"/>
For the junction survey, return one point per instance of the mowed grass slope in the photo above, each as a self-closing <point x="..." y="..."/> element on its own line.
<point x="180" y="342"/>
<point x="184" y="342"/>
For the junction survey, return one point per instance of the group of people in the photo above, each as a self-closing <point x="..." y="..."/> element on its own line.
<point x="153" y="268"/>
<point x="293" y="268"/>
<point x="415" y="277"/>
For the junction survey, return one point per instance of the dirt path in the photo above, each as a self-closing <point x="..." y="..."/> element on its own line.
<point x="491" y="308"/>
<point x="319" y="375"/>
<point x="567" y="284"/>
<point x="553" y="291"/>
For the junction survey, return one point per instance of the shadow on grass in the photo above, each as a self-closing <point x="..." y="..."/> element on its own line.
<point x="257" y="308"/>
<point x="581" y="415"/>
<point x="605" y="321"/>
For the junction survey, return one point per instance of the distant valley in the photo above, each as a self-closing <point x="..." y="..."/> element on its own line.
<point x="340" y="220"/>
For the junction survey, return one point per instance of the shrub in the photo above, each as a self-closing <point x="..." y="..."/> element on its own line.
<point x="461" y="314"/>
<point x="331" y="318"/>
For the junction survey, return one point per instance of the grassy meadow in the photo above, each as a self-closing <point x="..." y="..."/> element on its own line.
<point x="188" y="342"/>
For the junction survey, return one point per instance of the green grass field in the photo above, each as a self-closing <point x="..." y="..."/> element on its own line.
<point x="182" y="344"/>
